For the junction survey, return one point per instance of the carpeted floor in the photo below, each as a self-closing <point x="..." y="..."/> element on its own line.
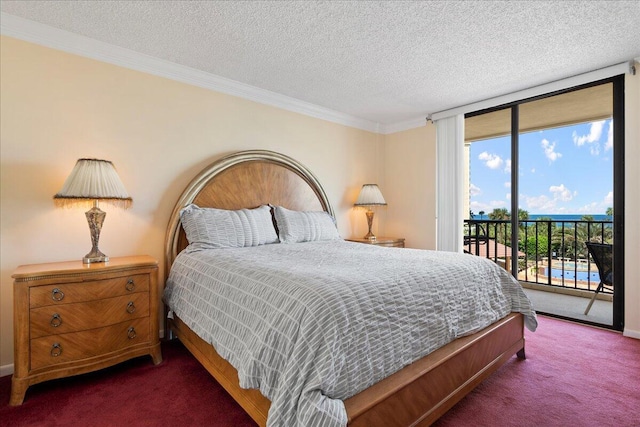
<point x="574" y="375"/>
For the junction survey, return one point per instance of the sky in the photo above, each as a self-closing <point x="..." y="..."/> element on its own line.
<point x="566" y="170"/>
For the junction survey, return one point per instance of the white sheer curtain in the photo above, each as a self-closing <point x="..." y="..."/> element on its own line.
<point x="450" y="157"/>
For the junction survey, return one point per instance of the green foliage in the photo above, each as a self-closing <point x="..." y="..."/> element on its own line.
<point x="529" y="246"/>
<point x="545" y="236"/>
<point x="499" y="214"/>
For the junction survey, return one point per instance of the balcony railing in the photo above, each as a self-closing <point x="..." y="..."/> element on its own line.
<point x="550" y="252"/>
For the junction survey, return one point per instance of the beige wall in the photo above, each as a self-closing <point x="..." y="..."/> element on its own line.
<point x="632" y="205"/>
<point x="56" y="107"/>
<point x="410" y="186"/>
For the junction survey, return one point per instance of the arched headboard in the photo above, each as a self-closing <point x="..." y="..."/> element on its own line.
<point x="247" y="179"/>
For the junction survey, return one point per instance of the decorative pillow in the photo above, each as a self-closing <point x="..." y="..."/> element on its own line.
<point x="209" y="228"/>
<point x="296" y="226"/>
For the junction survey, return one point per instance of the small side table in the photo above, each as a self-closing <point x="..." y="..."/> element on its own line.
<point x="389" y="242"/>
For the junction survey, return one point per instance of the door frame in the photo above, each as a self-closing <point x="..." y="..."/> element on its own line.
<point x="618" y="182"/>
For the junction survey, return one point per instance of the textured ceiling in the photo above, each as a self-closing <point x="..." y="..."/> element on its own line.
<point x="383" y="61"/>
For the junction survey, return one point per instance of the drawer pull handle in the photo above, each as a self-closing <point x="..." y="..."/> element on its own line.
<point x="131" y="308"/>
<point x="56" y="350"/>
<point x="57" y="294"/>
<point x="131" y="333"/>
<point x="56" y="320"/>
<point x="130" y="286"/>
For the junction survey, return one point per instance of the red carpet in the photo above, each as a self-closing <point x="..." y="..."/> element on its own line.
<point x="178" y="392"/>
<point x="574" y="376"/>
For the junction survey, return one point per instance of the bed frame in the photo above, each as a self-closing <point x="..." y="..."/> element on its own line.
<point x="417" y="394"/>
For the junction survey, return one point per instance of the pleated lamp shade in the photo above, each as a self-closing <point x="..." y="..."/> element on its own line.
<point x="91" y="180"/>
<point x="370" y="195"/>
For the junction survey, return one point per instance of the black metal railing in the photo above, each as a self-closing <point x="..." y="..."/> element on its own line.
<point x="550" y="252"/>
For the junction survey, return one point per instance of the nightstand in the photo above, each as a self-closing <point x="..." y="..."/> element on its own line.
<point x="389" y="242"/>
<point x="71" y="318"/>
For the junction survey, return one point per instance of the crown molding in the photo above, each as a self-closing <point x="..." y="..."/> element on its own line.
<point x="416" y="122"/>
<point x="34" y="32"/>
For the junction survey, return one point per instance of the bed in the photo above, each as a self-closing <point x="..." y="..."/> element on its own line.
<point x="416" y="394"/>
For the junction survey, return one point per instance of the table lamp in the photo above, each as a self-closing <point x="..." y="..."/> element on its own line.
<point x="369" y="197"/>
<point x="93" y="180"/>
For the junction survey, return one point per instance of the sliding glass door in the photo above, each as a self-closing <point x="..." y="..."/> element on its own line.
<point x="558" y="161"/>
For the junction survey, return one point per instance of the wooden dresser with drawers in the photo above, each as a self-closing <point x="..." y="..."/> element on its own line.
<point x="71" y="318"/>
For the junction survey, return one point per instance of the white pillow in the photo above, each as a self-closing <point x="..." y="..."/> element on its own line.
<point x="297" y="226"/>
<point x="209" y="228"/>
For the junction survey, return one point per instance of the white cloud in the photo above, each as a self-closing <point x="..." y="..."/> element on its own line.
<point x="474" y="190"/>
<point x="507" y="184"/>
<point x="492" y="161"/>
<point x="539" y="204"/>
<point x="560" y="192"/>
<point x="593" y="137"/>
<point x="549" y="150"/>
<point x="590" y="208"/>
<point x="595" y="131"/>
<point x="476" y="206"/>
<point x="608" y="199"/>
<point x="507" y="166"/>
<point x="598" y="207"/>
<point x="545" y="204"/>
<point x="533" y="170"/>
<point x="609" y="144"/>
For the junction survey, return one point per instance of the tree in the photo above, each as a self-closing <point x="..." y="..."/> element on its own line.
<point x="609" y="213"/>
<point x="501" y="232"/>
<point x="563" y="242"/>
<point x="523" y="215"/>
<point x="569" y="241"/>
<point x="499" y="214"/>
<point x="594" y="232"/>
<point x="541" y="228"/>
<point x="535" y="246"/>
<point x="481" y="214"/>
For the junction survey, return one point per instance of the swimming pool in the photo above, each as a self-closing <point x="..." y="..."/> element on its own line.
<point x="570" y="274"/>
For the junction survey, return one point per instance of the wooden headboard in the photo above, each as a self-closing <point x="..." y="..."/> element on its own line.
<point x="247" y="179"/>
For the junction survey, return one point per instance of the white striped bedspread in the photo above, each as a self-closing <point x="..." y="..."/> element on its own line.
<point x="311" y="324"/>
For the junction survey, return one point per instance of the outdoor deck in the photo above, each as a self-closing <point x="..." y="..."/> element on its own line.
<point x="554" y="266"/>
<point x="571" y="306"/>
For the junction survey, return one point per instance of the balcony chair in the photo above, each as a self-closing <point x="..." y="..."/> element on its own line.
<point x="471" y="241"/>
<point x="602" y="255"/>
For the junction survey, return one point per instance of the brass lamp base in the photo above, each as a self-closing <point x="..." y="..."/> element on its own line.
<point x="370" y="235"/>
<point x="95" y="218"/>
